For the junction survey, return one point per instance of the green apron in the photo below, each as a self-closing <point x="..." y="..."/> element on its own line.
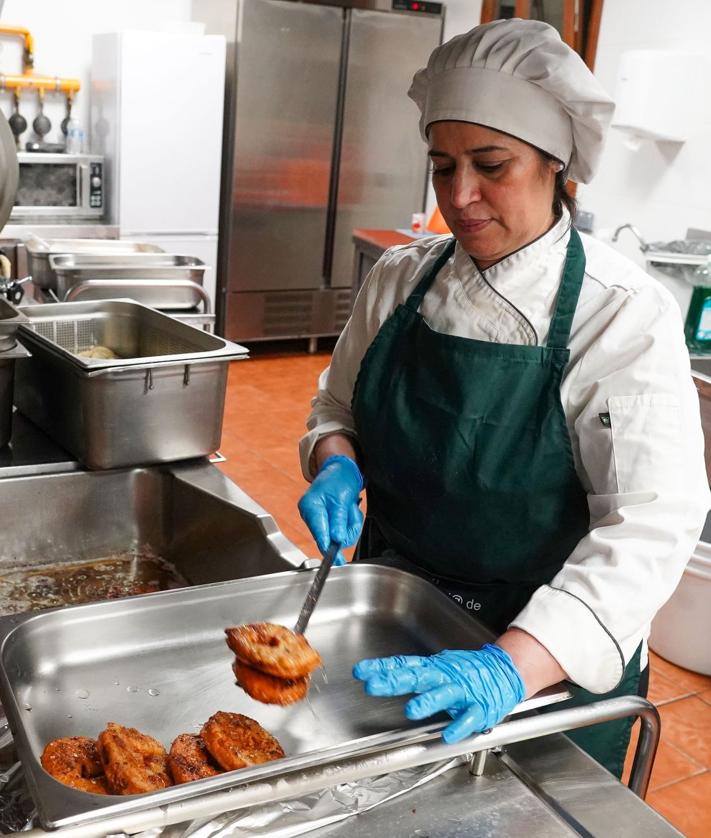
<point x="469" y="468"/>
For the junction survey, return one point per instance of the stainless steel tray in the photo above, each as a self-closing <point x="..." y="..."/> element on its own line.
<point x="128" y="265"/>
<point x="161" y="280"/>
<point x="39" y="251"/>
<point x="160" y="663"/>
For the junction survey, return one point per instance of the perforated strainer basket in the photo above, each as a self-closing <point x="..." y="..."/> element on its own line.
<point x="138" y="335"/>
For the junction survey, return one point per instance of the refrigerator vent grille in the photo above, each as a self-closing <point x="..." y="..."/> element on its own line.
<point x="288" y="313"/>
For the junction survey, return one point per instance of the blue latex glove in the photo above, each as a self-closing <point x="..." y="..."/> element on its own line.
<point x="330" y="506"/>
<point x="476" y="688"/>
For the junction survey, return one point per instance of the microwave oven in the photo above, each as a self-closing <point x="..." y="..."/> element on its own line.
<point x="61" y="186"/>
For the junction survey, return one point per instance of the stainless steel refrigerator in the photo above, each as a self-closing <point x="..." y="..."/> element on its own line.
<point x="321" y="138"/>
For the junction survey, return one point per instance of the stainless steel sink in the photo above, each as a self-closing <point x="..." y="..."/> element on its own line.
<point x="189" y="515"/>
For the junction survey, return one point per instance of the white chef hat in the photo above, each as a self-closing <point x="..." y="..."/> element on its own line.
<point x="518" y="77"/>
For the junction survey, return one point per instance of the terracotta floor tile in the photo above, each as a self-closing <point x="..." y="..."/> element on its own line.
<point x="683" y="677"/>
<point x="686" y="805"/>
<point x="670" y="764"/>
<point x="663" y="689"/>
<point x="705" y="696"/>
<point x="686" y="724"/>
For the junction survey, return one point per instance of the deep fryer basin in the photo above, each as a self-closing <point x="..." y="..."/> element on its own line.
<point x="191" y="515"/>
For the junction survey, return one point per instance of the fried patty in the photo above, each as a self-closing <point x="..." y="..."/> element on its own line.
<point x="133" y="762"/>
<point x="236" y="741"/>
<point x="190" y="760"/>
<point x="266" y="688"/>
<point x="273" y="649"/>
<point x="74" y="761"/>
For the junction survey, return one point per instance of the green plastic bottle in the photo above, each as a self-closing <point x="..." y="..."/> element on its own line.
<point x="697" y="328"/>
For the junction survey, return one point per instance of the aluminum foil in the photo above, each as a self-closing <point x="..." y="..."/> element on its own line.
<point x="290" y="818"/>
<point x="17" y="809"/>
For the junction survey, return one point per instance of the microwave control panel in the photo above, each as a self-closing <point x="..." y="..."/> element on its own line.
<point x="96" y="185"/>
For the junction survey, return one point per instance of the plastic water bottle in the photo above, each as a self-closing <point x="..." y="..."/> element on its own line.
<point x="702" y="273"/>
<point x="75" y="137"/>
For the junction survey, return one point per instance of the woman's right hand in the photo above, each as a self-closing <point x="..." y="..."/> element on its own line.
<point x="330" y="506"/>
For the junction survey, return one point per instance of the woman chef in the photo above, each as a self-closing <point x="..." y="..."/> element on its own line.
<point x="518" y="401"/>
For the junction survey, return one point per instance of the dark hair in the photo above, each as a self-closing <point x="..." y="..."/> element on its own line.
<point x="561" y="196"/>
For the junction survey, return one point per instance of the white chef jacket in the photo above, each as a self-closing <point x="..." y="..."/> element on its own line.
<point x="643" y="470"/>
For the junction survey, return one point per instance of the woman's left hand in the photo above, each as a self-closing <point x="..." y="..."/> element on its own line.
<point x="476" y="688"/>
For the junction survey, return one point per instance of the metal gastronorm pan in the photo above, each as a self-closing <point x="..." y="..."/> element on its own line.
<point x="164" y="280"/>
<point x="39" y="251"/>
<point x="161" y="401"/>
<point x="139" y="335"/>
<point x="160" y="663"/>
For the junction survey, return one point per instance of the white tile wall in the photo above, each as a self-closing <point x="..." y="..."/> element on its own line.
<point x="662" y="188"/>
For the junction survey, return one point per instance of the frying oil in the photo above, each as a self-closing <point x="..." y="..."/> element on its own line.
<point x="128" y="573"/>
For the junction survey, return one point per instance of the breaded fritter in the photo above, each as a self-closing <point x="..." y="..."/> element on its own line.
<point x="74" y="761"/>
<point x="273" y="649"/>
<point x="133" y="762"/>
<point x="266" y="688"/>
<point x="236" y="741"/>
<point x="190" y="760"/>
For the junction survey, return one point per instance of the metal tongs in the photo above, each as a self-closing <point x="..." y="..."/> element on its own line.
<point x="316" y="587"/>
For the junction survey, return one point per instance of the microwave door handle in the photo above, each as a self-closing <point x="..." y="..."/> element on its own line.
<point x="82" y="185"/>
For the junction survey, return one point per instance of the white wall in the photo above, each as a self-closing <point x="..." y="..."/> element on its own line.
<point x="662" y="189"/>
<point x="62" y="33"/>
<point x="460" y="16"/>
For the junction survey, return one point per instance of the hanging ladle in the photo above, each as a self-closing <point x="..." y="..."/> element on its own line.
<point x="64" y="125"/>
<point x="18" y="123"/>
<point x="41" y="123"/>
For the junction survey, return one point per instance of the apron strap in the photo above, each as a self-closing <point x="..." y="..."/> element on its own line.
<point x="415" y="299"/>
<point x="568" y="293"/>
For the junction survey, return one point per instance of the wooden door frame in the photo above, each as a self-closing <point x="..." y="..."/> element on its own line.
<point x="572" y="33"/>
